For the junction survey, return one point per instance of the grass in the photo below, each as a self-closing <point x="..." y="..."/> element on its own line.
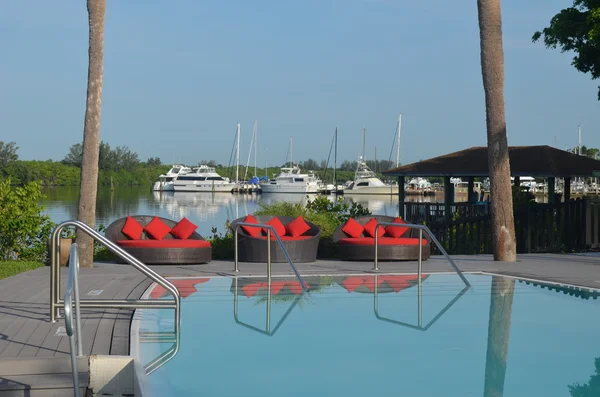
<point x="10" y="268"/>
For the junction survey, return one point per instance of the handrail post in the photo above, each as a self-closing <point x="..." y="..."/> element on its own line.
<point x="75" y="274"/>
<point x="420" y="266"/>
<point x="235" y="244"/>
<point x="269" y="254"/>
<point x="376" y="265"/>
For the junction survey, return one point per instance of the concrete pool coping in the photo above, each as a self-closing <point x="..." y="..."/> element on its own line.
<point x="26" y="330"/>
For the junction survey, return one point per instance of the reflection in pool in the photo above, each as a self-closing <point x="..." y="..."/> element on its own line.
<point x="384" y="334"/>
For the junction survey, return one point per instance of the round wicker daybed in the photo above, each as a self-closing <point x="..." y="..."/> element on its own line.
<point x="168" y="251"/>
<point x="363" y="248"/>
<point x="254" y="249"/>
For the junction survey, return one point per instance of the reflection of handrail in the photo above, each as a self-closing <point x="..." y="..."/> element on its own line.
<point x="56" y="303"/>
<point x="420" y="260"/>
<point x="269" y="230"/>
<point x="267" y="331"/>
<point x="420" y="303"/>
<point x="71" y="292"/>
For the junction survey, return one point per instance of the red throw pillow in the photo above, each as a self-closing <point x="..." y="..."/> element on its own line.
<point x="279" y="227"/>
<point x="183" y="229"/>
<point x="370" y="228"/>
<point x="132" y="229"/>
<point x="297" y="227"/>
<point x="157" y="229"/>
<point x="396" y="231"/>
<point x="251" y="230"/>
<point x="352" y="228"/>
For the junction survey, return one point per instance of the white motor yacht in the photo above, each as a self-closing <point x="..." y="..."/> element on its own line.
<point x="203" y="179"/>
<point x="366" y="182"/>
<point x="165" y="181"/>
<point x="290" y="180"/>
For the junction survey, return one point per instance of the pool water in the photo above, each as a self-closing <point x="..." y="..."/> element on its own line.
<point x="377" y="335"/>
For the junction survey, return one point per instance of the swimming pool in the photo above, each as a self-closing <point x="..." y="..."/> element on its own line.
<point x="376" y="335"/>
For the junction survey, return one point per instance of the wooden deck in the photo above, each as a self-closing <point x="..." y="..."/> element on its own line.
<point x="26" y="331"/>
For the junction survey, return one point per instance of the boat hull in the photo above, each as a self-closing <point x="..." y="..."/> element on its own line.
<point x="269" y="188"/>
<point x="205" y="187"/>
<point x="163" y="187"/>
<point x="383" y="190"/>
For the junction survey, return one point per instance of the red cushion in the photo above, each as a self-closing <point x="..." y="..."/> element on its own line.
<point x="168" y="243"/>
<point x="157" y="229"/>
<point x="381" y="241"/>
<point x="279" y="227"/>
<point x="396" y="231"/>
<point x="132" y="228"/>
<point x="297" y="227"/>
<point x="287" y="238"/>
<point x="251" y="230"/>
<point x="352" y="228"/>
<point x="183" y="229"/>
<point x="370" y="228"/>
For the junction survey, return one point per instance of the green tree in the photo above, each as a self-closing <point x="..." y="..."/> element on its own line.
<point x="8" y="153"/>
<point x="504" y="243"/>
<point x="153" y="162"/>
<point x="74" y="156"/>
<point x="24" y="229"/>
<point x="576" y="29"/>
<point x="91" y="130"/>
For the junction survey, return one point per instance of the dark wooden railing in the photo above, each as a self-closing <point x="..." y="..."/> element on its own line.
<point x="559" y="227"/>
<point x="436" y="212"/>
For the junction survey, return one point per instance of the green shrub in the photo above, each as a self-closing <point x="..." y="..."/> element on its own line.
<point x="327" y="215"/>
<point x="222" y="244"/>
<point x="24" y="229"/>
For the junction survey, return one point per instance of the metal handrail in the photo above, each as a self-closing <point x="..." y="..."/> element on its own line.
<point x="420" y="259"/>
<point x="269" y="230"/>
<point x="418" y="327"/>
<point x="267" y="331"/>
<point x="71" y="292"/>
<point x="56" y="303"/>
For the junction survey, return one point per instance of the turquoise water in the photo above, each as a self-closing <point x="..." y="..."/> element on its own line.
<point x="347" y="338"/>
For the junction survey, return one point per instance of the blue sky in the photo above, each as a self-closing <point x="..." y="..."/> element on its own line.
<point x="180" y="74"/>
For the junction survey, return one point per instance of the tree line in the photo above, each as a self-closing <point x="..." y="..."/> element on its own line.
<point x="119" y="166"/>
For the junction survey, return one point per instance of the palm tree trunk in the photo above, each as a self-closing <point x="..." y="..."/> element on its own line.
<point x="492" y="68"/>
<point x="91" y="130"/>
<point x="503" y="290"/>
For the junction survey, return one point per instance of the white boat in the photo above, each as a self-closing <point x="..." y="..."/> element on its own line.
<point x="203" y="179"/>
<point x="366" y="182"/>
<point x="165" y="181"/>
<point x="290" y="180"/>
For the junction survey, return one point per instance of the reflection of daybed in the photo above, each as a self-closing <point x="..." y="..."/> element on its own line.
<point x="156" y="240"/>
<point x="300" y="238"/>
<point x="394" y="243"/>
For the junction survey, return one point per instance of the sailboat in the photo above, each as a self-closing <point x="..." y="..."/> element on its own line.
<point x="365" y="180"/>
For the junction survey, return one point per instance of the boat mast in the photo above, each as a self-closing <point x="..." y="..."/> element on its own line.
<point x="291" y="152"/>
<point x="579" y="145"/>
<point x="255" y="144"/>
<point x="398" y="145"/>
<point x="335" y="157"/>
<point x="364" y="145"/>
<point x="237" y="156"/>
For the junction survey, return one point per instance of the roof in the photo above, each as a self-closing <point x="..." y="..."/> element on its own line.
<point x="538" y="161"/>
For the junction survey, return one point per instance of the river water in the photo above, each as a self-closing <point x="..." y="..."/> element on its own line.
<point x="206" y="210"/>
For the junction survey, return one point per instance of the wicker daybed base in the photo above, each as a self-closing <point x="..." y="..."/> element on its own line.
<point x="253" y="249"/>
<point x="159" y="256"/>
<point x="387" y="252"/>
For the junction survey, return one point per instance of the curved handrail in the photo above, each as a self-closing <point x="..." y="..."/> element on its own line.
<point x="56" y="303"/>
<point x="71" y="292"/>
<point x="420" y="261"/>
<point x="269" y="230"/>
